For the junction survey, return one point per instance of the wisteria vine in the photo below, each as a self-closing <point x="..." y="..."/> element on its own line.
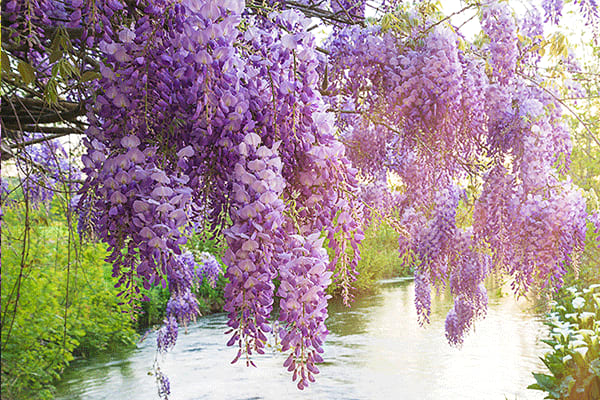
<point x="229" y="115"/>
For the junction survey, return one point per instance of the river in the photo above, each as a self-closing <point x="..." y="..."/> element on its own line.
<point x="375" y="350"/>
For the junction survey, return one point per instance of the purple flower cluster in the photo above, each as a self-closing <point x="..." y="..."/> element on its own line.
<point x="339" y="215"/>
<point x="351" y="9"/>
<point x="441" y="227"/>
<point x="164" y="386"/>
<point x="46" y="169"/>
<point x="208" y="269"/>
<point x="411" y="97"/>
<point x="553" y="10"/>
<point x="303" y="307"/>
<point x="534" y="222"/>
<point x="430" y="111"/>
<point x="470" y="267"/>
<point x="167" y="334"/>
<point x="251" y="240"/>
<point x="549" y="229"/>
<point x="433" y="247"/>
<point x="494" y="211"/>
<point x="380" y="200"/>
<point x="322" y="185"/>
<point x="532" y="31"/>
<point x="594" y="219"/>
<point x="498" y="23"/>
<point x="423" y="297"/>
<point x="407" y="103"/>
<point x="412" y="222"/>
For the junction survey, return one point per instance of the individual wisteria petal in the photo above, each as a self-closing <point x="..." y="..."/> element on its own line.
<point x="130" y="142"/>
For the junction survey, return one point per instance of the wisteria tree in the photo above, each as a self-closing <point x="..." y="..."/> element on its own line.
<point x="232" y="119"/>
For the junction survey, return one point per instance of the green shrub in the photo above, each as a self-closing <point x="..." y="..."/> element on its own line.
<point x="380" y="258"/>
<point x="58" y="302"/>
<point x="210" y="300"/>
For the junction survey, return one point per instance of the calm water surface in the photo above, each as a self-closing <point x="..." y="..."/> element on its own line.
<point x="376" y="350"/>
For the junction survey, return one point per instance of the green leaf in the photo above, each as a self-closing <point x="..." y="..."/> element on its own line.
<point x="64" y="69"/>
<point x="546" y="382"/>
<point x="56" y="54"/>
<point x="27" y="72"/>
<point x="90" y="76"/>
<point x="51" y="91"/>
<point x="535" y="386"/>
<point x="5" y="63"/>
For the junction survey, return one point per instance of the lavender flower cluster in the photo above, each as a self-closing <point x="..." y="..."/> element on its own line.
<point x="428" y="110"/>
<point x="500" y="26"/>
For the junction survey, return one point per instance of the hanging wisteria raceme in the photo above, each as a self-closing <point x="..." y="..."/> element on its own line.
<point x="434" y="247"/>
<point x="322" y="187"/>
<point x="303" y="306"/>
<point x="207" y="270"/>
<point x="553" y="11"/>
<point x="494" y="211"/>
<point x="182" y="306"/>
<point x="380" y="202"/>
<point x="252" y="241"/>
<point x="532" y="31"/>
<point x="500" y="26"/>
<point x="468" y="269"/>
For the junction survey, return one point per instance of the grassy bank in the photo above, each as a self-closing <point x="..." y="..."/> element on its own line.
<point x="380" y="258"/>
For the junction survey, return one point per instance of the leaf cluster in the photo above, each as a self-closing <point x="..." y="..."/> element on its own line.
<point x="574" y="361"/>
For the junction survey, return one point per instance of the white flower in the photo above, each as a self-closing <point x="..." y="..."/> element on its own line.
<point x="578" y="302"/>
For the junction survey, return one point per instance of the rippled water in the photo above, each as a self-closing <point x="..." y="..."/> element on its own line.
<point x="376" y="350"/>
